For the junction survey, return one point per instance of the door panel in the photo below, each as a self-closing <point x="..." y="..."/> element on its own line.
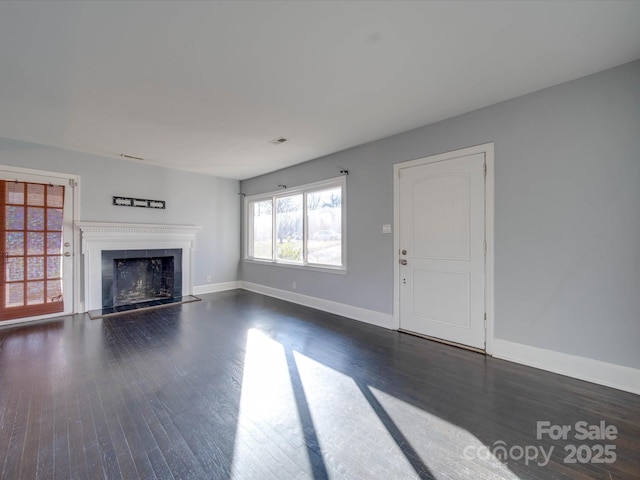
<point x="442" y="233"/>
<point x="35" y="226"/>
<point x="441" y="230"/>
<point x="444" y="298"/>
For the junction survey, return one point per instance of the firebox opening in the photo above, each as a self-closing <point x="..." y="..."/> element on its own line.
<point x="142" y="279"/>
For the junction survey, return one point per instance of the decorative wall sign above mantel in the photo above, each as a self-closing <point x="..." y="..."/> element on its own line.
<point x="138" y="202"/>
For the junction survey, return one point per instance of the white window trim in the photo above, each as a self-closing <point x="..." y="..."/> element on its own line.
<point x="307" y="188"/>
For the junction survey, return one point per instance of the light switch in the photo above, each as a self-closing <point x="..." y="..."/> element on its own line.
<point x="386" y="228"/>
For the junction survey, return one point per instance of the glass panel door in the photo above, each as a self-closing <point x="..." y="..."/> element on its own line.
<point x="31" y="245"/>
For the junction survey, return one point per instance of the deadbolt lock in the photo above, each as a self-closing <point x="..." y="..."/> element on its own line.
<point x="403" y="252"/>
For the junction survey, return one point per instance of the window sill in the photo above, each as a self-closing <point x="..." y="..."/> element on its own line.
<point x="297" y="266"/>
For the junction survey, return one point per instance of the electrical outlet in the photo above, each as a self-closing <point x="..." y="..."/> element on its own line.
<point x="208" y="278"/>
<point x="386" y="228"/>
<point x="294" y="285"/>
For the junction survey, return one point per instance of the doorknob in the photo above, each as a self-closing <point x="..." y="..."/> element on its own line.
<point x="403" y="262"/>
<point x="67" y="254"/>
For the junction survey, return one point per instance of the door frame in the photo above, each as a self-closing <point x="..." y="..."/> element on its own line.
<point x="488" y="150"/>
<point x="72" y="181"/>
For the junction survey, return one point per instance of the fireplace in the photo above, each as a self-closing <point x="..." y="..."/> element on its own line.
<point x="103" y="244"/>
<point x="136" y="276"/>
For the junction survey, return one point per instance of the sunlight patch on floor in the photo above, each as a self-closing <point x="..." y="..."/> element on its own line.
<point x="348" y="427"/>
<point x="302" y="419"/>
<point x="445" y="456"/>
<point x="267" y="414"/>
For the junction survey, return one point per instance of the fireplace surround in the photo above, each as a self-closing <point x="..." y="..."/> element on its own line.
<point x="128" y="241"/>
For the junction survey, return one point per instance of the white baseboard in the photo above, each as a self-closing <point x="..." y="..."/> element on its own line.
<point x="595" y="371"/>
<point x="215" y="287"/>
<point x="372" y="317"/>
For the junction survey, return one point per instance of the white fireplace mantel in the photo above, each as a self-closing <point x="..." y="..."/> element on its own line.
<point x="98" y="236"/>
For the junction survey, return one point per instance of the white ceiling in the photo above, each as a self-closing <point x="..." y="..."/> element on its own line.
<point x="204" y="86"/>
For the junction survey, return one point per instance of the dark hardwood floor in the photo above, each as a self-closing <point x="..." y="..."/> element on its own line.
<point x="244" y="386"/>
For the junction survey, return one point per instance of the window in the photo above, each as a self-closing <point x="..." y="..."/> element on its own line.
<point x="303" y="226"/>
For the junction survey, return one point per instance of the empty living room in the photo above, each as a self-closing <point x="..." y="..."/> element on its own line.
<point x="359" y="239"/>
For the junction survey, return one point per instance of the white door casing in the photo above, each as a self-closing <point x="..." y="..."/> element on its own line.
<point x="442" y="286"/>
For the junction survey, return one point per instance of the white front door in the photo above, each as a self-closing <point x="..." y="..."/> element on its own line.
<point x="442" y="249"/>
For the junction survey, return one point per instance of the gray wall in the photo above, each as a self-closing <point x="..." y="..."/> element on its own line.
<point x="191" y="200"/>
<point x="567" y="215"/>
